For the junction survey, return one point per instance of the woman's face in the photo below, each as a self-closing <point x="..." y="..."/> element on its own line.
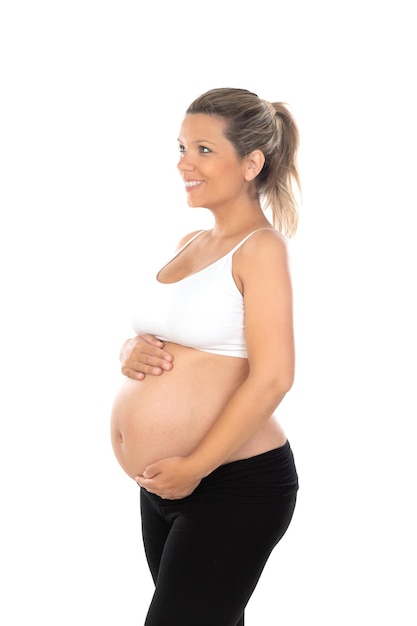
<point x="213" y="173"/>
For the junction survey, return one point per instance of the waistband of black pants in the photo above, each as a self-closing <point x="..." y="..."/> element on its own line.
<point x="264" y="476"/>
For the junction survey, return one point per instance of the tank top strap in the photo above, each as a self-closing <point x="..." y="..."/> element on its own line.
<point x="237" y="246"/>
<point x="187" y="243"/>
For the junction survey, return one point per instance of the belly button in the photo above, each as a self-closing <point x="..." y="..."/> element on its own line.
<point x="120" y="438"/>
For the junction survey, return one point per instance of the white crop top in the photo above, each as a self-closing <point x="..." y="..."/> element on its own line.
<point x="204" y="310"/>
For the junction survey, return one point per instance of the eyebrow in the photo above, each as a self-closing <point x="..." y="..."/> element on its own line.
<point x="198" y="141"/>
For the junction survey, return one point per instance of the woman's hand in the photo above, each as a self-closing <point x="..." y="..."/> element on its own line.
<point x="170" y="478"/>
<point x="144" y="354"/>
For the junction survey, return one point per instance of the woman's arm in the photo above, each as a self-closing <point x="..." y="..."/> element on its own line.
<point x="261" y="270"/>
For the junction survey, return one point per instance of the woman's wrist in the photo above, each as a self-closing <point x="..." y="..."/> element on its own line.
<point x="200" y="465"/>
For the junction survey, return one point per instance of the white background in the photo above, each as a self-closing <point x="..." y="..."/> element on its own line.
<point x="92" y="97"/>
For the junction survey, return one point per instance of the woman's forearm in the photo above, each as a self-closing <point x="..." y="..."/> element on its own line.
<point x="249" y="408"/>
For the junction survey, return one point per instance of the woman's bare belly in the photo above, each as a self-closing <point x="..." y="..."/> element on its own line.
<point x="169" y="415"/>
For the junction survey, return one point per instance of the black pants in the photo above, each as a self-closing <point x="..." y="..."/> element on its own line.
<point x="207" y="551"/>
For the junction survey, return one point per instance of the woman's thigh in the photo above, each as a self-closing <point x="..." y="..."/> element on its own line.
<point x="211" y="558"/>
<point x="207" y="551"/>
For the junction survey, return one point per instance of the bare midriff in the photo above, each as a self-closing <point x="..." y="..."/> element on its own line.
<point x="169" y="415"/>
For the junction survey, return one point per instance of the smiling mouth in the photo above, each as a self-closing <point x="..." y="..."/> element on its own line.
<point x="189" y="184"/>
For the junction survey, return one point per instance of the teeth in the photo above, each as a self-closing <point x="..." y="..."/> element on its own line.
<point x="192" y="183"/>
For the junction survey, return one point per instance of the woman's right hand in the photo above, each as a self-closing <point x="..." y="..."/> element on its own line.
<point x="144" y="354"/>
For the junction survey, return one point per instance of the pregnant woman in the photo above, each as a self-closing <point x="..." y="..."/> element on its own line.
<point x="213" y="356"/>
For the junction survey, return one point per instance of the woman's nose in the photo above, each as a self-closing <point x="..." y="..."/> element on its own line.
<point x="185" y="163"/>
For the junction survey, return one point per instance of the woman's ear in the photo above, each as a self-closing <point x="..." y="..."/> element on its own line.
<point x="254" y="164"/>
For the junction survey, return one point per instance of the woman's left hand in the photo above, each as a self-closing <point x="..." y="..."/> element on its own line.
<point x="170" y="478"/>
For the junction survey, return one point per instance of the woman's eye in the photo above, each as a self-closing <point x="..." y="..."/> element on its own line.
<point x="202" y="149"/>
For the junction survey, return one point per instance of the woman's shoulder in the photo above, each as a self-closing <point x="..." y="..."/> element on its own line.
<point x="262" y="248"/>
<point x="265" y="238"/>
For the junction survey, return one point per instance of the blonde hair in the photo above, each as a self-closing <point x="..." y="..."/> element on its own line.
<point x="255" y="124"/>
